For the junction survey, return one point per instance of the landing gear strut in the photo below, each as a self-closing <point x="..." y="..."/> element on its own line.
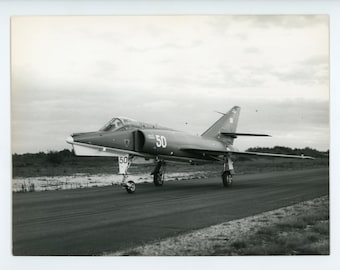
<point x="228" y="170"/>
<point x="158" y="174"/>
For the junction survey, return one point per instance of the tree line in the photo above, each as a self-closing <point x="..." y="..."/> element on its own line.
<point x="65" y="156"/>
<point x="307" y="151"/>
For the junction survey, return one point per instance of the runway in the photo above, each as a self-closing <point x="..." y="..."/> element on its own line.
<point x="97" y="220"/>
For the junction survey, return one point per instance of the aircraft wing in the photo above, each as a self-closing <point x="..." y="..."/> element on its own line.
<point x="236" y="152"/>
<point x="235" y="135"/>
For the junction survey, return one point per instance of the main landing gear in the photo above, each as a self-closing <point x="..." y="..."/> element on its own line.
<point x="158" y="174"/>
<point x="228" y="170"/>
<point x="227" y="179"/>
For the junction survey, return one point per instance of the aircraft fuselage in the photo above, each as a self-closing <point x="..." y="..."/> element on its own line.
<point x="160" y="143"/>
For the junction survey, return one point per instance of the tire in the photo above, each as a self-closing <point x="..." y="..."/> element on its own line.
<point x="227" y="179"/>
<point x="131" y="187"/>
<point x="158" y="179"/>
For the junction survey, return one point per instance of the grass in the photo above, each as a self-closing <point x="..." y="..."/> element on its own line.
<point x="301" y="229"/>
<point x="303" y="234"/>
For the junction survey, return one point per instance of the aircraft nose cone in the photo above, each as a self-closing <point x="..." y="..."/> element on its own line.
<point x="69" y="139"/>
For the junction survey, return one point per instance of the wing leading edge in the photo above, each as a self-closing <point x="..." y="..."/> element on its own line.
<point x="235" y="135"/>
<point x="235" y="152"/>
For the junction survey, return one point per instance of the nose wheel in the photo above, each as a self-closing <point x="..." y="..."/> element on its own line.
<point x="130" y="187"/>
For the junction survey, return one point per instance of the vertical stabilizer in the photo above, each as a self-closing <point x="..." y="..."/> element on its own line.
<point x="227" y="123"/>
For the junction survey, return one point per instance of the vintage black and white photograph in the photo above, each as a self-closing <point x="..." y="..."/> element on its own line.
<point x="170" y="135"/>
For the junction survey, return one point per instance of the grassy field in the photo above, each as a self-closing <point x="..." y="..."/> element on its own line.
<point x="301" y="229"/>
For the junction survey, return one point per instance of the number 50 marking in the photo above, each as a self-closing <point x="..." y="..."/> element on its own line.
<point x="160" y="141"/>
<point x="123" y="159"/>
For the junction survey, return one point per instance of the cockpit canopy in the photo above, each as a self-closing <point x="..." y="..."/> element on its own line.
<point x="123" y="123"/>
<point x="119" y="123"/>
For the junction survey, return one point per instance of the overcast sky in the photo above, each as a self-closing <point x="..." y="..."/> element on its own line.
<point x="72" y="74"/>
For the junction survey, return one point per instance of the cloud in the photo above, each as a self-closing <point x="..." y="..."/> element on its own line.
<point x="312" y="71"/>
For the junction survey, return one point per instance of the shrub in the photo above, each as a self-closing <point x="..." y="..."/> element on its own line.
<point x="54" y="157"/>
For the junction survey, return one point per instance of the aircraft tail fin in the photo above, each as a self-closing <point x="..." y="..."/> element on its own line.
<point x="226" y="124"/>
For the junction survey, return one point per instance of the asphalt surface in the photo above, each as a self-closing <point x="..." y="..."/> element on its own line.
<point x="98" y="220"/>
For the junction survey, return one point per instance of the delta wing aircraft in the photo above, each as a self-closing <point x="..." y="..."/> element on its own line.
<point x="128" y="139"/>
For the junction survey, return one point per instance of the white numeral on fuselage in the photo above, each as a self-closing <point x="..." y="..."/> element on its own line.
<point x="160" y="141"/>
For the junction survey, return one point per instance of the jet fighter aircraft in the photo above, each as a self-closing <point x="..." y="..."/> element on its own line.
<point x="128" y="139"/>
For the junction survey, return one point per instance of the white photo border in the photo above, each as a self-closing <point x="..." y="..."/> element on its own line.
<point x="167" y="7"/>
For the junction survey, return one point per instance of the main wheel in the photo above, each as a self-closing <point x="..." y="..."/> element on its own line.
<point x="227" y="179"/>
<point x="158" y="179"/>
<point x="130" y="187"/>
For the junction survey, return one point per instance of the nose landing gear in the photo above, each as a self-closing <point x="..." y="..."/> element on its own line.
<point x="124" y="162"/>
